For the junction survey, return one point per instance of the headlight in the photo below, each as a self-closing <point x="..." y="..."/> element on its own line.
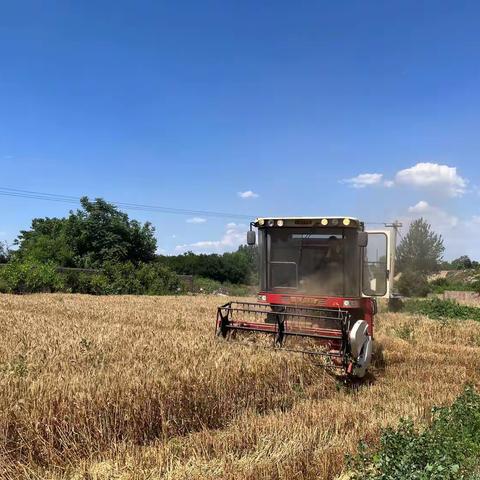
<point x="279" y="223"/>
<point x="271" y="223"/>
<point x="262" y="298"/>
<point x="261" y="221"/>
<point x="335" y="221"/>
<point x="324" y="222"/>
<point x="346" y="222"/>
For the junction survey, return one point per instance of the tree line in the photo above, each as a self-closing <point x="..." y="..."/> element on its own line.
<point x="99" y="236"/>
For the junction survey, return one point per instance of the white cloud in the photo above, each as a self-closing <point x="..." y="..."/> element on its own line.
<point x="436" y="216"/>
<point x="440" y="178"/>
<point x="248" y="194"/>
<point x="428" y="176"/>
<point x="365" y="180"/>
<point x="234" y="236"/>
<point x="368" y="180"/>
<point x="196" y="220"/>
<point x="421" y="207"/>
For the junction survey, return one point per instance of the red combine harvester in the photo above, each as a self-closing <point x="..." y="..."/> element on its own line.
<point x="319" y="280"/>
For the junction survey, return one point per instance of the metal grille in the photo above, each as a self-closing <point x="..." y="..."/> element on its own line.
<point x="325" y="330"/>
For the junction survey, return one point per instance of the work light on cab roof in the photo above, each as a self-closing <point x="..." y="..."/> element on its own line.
<point x="319" y="281"/>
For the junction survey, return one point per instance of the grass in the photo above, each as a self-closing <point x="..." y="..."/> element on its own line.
<point x="138" y="387"/>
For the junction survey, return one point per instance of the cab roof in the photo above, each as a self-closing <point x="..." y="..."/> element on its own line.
<point x="340" y="221"/>
<point x="309" y="218"/>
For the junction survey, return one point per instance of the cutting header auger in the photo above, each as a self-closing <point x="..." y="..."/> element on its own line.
<point x="319" y="281"/>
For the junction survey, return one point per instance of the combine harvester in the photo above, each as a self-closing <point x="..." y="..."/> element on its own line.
<point x="319" y="281"/>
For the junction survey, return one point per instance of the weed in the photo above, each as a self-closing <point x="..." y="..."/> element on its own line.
<point x="406" y="331"/>
<point x="443" y="309"/>
<point x="447" y="449"/>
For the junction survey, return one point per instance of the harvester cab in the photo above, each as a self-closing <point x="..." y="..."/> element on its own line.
<point x="319" y="281"/>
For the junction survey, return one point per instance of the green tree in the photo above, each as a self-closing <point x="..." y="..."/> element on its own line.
<point x="234" y="267"/>
<point x="46" y="241"/>
<point x="93" y="235"/>
<point x="250" y="252"/>
<point x="100" y="233"/>
<point x="421" y="250"/>
<point x="462" y="263"/>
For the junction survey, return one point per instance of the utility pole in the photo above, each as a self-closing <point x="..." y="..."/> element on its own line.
<point x="393" y="250"/>
<point x="394" y="303"/>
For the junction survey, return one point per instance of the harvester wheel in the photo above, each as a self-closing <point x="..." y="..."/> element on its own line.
<point x="361" y="346"/>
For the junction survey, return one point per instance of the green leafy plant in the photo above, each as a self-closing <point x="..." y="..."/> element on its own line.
<point x="447" y="449"/>
<point x="443" y="284"/>
<point x="405" y="332"/>
<point x="30" y="276"/>
<point x="442" y="309"/>
<point x="126" y="279"/>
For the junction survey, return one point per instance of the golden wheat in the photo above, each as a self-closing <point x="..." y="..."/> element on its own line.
<point x="138" y="387"/>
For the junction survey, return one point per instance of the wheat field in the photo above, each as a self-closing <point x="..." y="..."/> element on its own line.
<point x="120" y="388"/>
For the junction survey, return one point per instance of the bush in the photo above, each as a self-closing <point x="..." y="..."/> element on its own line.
<point x="156" y="279"/>
<point x="99" y="284"/>
<point x="30" y="276"/>
<point x="207" y="285"/>
<point x="122" y="278"/>
<point x="413" y="284"/>
<point x="440" y="285"/>
<point x="116" y="278"/>
<point x="440" y="309"/>
<point x="81" y="282"/>
<point x="126" y="279"/>
<point x="448" y="449"/>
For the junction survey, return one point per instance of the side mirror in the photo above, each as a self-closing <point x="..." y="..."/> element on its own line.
<point x="362" y="239"/>
<point x="251" y="237"/>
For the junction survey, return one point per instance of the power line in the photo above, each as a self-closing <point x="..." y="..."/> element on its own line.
<point x="71" y="199"/>
<point x="52" y="197"/>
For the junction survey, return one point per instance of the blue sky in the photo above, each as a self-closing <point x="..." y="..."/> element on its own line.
<point x="186" y="104"/>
